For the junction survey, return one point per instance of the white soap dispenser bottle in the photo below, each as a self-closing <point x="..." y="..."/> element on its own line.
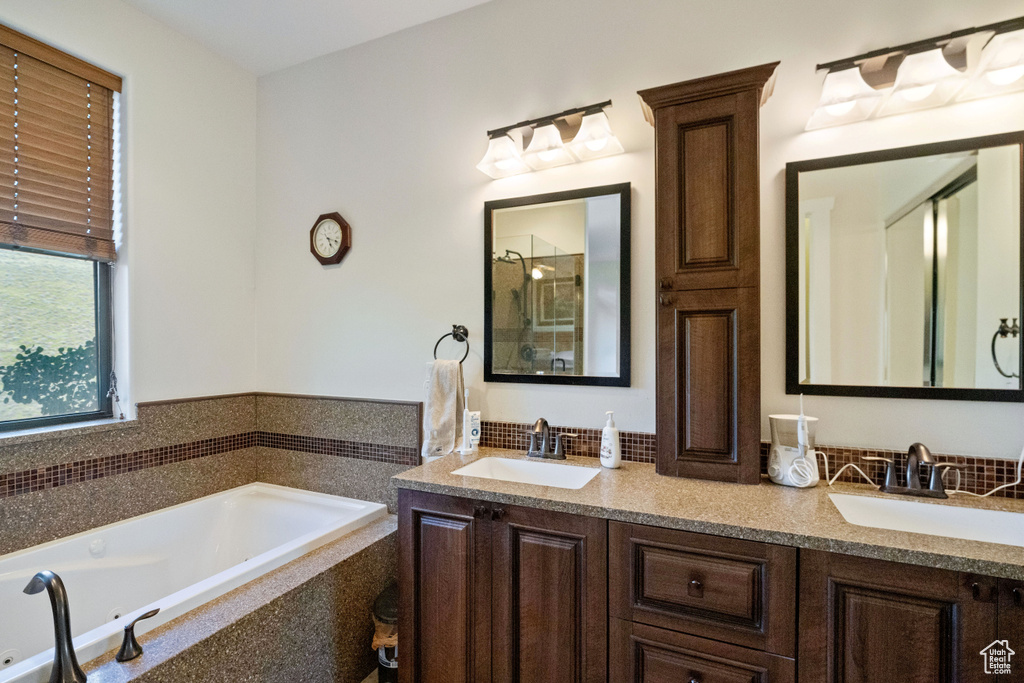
<point x="611" y="456"/>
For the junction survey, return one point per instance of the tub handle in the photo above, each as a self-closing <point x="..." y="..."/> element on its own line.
<point x="130" y="648"/>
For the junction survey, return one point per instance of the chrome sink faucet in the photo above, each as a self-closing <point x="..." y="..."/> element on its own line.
<point x="917" y="456"/>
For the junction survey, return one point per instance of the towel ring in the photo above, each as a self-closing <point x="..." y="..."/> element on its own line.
<point x="459" y="333"/>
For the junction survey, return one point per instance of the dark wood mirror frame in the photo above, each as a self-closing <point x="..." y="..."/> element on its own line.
<point x="793" y="170"/>
<point x="623" y="378"/>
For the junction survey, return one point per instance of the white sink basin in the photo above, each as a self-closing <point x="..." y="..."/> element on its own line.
<point x="972" y="524"/>
<point x="529" y="472"/>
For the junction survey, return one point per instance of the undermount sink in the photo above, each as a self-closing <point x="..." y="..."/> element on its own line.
<point x="527" y="472"/>
<point x="972" y="524"/>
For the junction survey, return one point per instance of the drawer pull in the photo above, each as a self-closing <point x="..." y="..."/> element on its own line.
<point x="695" y="679"/>
<point x="664" y="300"/>
<point x="1018" y="596"/>
<point x="480" y="511"/>
<point x="696" y="589"/>
<point x="666" y="283"/>
<point x="497" y="513"/>
<point x="975" y="590"/>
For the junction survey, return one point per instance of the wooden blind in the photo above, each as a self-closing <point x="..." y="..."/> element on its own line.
<point x="56" y="152"/>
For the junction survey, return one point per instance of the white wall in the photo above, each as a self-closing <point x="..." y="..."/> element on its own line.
<point x="388" y="134"/>
<point x="190" y="137"/>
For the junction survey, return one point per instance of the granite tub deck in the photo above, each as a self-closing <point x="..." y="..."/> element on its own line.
<point x="803" y="518"/>
<point x="308" y="621"/>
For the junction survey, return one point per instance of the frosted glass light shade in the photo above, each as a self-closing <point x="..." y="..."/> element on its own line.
<point x="1000" y="69"/>
<point x="924" y="80"/>
<point x="502" y="158"/>
<point x="546" y="149"/>
<point x="595" y="138"/>
<point x="845" y="98"/>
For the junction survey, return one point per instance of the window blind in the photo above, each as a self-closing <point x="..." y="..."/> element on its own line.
<point x="56" y="150"/>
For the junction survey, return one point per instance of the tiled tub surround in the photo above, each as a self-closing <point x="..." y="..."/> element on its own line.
<point x="59" y="484"/>
<point x="307" y="622"/>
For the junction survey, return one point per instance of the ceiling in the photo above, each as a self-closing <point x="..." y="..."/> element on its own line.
<point x="264" y="36"/>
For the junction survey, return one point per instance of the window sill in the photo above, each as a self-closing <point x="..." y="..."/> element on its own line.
<point x="64" y="431"/>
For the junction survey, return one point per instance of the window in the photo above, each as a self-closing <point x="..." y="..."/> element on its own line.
<point x="57" y="123"/>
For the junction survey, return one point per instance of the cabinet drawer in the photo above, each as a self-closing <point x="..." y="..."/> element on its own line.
<point x="644" y="654"/>
<point x="741" y="592"/>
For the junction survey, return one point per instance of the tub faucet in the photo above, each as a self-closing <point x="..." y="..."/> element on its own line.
<point x="65" y="665"/>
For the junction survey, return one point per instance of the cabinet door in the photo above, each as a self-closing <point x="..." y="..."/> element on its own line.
<point x="550" y="597"/>
<point x="865" y="621"/>
<point x="644" y="654"/>
<point x="445" y="581"/>
<point x="709" y="385"/>
<point x="1011" y="626"/>
<point x="707" y="204"/>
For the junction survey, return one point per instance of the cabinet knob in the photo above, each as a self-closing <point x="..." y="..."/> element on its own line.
<point x="665" y="284"/>
<point x="664" y="300"/>
<point x="480" y="511"/>
<point x="695" y="679"/>
<point x="696" y="588"/>
<point x="1018" y="596"/>
<point x="497" y="513"/>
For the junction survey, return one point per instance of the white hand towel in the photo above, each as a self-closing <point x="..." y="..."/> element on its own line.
<point x="442" y="412"/>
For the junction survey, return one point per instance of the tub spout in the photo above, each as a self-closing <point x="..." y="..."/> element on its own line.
<point x="65" y="665"/>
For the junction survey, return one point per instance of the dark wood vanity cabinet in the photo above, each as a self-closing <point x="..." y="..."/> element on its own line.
<point x="500" y="593"/>
<point x="707" y="240"/>
<point x="871" y="620"/>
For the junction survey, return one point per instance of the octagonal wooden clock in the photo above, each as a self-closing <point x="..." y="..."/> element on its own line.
<point x="330" y="238"/>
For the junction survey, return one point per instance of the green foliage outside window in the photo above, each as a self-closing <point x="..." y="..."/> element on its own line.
<point x="61" y="383"/>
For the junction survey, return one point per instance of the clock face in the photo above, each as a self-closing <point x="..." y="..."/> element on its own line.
<point x="327" y="237"/>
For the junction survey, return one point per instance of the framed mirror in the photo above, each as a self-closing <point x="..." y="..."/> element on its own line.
<point x="556" y="288"/>
<point x="903" y="272"/>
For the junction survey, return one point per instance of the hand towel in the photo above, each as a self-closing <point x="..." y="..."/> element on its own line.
<point x="442" y="411"/>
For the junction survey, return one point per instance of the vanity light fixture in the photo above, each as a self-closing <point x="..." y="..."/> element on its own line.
<point x="545" y="141"/>
<point x="924" y="80"/>
<point x="502" y="158"/>
<point x="845" y="98"/>
<point x="1001" y="67"/>
<point x="923" y="74"/>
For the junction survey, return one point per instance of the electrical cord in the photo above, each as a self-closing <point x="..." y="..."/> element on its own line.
<point x="1020" y="464"/>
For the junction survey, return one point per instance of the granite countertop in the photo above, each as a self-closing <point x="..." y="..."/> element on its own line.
<point x="804" y="518"/>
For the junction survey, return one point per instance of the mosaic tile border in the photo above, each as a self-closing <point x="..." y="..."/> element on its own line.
<point x="636" y="446"/>
<point x="53" y="476"/>
<point x="64" y="474"/>
<point x="394" y="455"/>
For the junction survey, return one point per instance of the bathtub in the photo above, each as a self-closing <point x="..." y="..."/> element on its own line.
<point x="176" y="559"/>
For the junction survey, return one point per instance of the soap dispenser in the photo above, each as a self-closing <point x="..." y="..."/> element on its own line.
<point x="611" y="455"/>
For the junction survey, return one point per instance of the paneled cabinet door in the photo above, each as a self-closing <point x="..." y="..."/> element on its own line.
<point x="1011" y="626"/>
<point x="863" y="621"/>
<point x="549" y="597"/>
<point x="708" y="385"/>
<point x="445" y="580"/>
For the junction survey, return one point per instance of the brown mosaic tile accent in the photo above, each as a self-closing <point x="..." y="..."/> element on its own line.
<point x="63" y="474"/>
<point x="636" y="446"/>
<point x="52" y="476"/>
<point x="394" y="455"/>
<point x="978" y="475"/>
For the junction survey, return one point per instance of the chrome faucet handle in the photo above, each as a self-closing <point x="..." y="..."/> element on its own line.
<point x="890" y="471"/>
<point x="560" y="446"/>
<point x="130" y="648"/>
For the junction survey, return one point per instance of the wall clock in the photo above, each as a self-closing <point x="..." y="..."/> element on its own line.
<point x="330" y="238"/>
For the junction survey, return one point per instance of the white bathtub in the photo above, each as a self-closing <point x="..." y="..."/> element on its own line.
<point x="176" y="559"/>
